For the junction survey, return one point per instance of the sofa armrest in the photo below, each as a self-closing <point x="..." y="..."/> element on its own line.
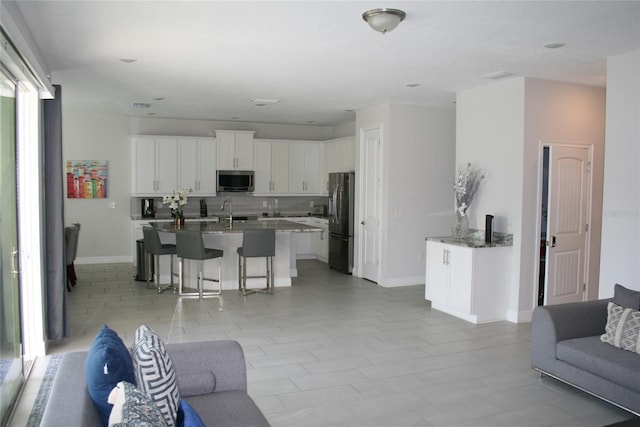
<point x="554" y="323"/>
<point x="69" y="402"/>
<point x="224" y="358"/>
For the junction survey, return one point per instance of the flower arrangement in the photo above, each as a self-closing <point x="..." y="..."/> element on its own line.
<point x="465" y="186"/>
<point x="176" y="202"/>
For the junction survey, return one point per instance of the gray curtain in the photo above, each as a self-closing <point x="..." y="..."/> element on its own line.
<point x="56" y="266"/>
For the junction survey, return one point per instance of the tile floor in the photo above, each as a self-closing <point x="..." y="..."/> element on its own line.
<point x="334" y="350"/>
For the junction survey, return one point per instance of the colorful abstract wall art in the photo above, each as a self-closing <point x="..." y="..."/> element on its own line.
<point x="86" y="179"/>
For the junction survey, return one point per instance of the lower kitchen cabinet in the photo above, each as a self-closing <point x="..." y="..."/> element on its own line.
<point x="467" y="282"/>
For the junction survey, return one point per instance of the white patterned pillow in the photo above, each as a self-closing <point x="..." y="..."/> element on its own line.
<point x="623" y="328"/>
<point x="154" y="372"/>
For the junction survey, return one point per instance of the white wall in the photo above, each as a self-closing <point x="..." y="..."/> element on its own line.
<point x="489" y="134"/>
<point x="499" y="127"/>
<point x="419" y="171"/>
<point x="417" y="176"/>
<point x="620" y="254"/>
<point x="105" y="235"/>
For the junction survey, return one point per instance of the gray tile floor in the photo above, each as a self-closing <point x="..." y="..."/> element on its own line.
<point x="334" y="350"/>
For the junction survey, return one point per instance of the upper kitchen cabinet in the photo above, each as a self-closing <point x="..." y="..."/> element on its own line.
<point x="306" y="168"/>
<point x="271" y="160"/>
<point x="339" y="155"/>
<point x="235" y="149"/>
<point x="197" y="165"/>
<point x="154" y="165"/>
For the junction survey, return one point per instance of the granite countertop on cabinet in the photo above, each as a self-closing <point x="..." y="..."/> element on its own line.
<point x="208" y="227"/>
<point x="475" y="239"/>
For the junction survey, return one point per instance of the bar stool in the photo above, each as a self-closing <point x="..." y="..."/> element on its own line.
<point x="191" y="246"/>
<point x="154" y="248"/>
<point x="257" y="243"/>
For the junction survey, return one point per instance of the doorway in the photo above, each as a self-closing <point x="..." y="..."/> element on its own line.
<point x="11" y="362"/>
<point x="565" y="191"/>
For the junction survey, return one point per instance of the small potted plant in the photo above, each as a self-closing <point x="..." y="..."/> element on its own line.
<point x="177" y="202"/>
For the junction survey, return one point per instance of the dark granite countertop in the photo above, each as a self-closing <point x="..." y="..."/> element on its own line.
<point x="475" y="239"/>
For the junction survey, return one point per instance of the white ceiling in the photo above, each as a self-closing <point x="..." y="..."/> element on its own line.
<point x="209" y="59"/>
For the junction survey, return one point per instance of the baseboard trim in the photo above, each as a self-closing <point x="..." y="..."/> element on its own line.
<point x="103" y="260"/>
<point x="395" y="282"/>
<point x="519" y="316"/>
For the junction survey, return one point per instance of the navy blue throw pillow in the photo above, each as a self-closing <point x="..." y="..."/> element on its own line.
<point x="108" y="362"/>
<point x="187" y="416"/>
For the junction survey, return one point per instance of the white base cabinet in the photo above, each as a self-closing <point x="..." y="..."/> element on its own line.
<point x="469" y="283"/>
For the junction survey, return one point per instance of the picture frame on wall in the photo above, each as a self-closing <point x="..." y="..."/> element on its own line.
<point x="87" y="179"/>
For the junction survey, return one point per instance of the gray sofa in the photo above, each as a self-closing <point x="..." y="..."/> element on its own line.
<point x="565" y="344"/>
<point x="227" y="405"/>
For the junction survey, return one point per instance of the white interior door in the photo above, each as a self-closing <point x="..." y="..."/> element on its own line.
<point x="370" y="206"/>
<point x="567" y="224"/>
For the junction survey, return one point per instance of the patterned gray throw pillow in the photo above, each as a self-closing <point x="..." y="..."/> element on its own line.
<point x="623" y="328"/>
<point x="154" y="371"/>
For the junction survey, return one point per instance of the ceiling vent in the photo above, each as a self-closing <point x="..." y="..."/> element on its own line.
<point x="141" y="105"/>
<point x="497" y="75"/>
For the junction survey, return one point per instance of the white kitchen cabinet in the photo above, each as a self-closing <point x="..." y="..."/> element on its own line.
<point x="234" y="150"/>
<point x="154" y="165"/>
<point x="339" y="155"/>
<point x="321" y="240"/>
<point x="306" y="168"/>
<point x="197" y="165"/>
<point x="271" y="165"/>
<point x="467" y="282"/>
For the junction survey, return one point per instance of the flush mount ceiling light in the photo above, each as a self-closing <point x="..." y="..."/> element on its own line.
<point x="141" y="105"/>
<point x="383" y="20"/>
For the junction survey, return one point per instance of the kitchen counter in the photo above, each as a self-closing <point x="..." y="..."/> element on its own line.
<point x="476" y="240"/>
<point x="228" y="238"/>
<point x="208" y="227"/>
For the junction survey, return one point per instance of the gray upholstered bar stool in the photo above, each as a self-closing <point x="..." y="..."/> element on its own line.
<point x="257" y="243"/>
<point x="191" y="246"/>
<point x="154" y="248"/>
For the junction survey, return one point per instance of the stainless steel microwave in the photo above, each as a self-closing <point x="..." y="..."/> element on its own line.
<point x="234" y="181"/>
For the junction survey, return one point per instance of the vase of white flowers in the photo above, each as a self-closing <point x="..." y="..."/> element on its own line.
<point x="177" y="201"/>
<point x="465" y="186"/>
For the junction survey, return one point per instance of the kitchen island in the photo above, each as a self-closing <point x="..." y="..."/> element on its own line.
<point x="228" y="237"/>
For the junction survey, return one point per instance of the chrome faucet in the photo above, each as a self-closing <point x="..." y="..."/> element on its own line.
<point x="230" y="209"/>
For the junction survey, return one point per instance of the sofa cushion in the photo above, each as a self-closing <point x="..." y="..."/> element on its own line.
<point x="601" y="359"/>
<point x="131" y="407"/>
<point x="625" y="297"/>
<point x="108" y="362"/>
<point x="154" y="372"/>
<point x="623" y="328"/>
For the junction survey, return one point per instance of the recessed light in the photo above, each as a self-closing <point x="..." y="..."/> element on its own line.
<point x="128" y="60"/>
<point x="412" y="84"/>
<point x="497" y="75"/>
<point x="349" y="110"/>
<point x="553" y="45"/>
<point x="158" y="99"/>
<point x="151" y="114"/>
<point x="311" y="121"/>
<point x="234" y="118"/>
<point x="261" y="102"/>
<point x="141" y="105"/>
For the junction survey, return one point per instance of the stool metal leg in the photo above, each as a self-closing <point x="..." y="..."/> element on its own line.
<point x="170" y="285"/>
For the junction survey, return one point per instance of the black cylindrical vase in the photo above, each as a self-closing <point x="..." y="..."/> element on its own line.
<point x="488" y="228"/>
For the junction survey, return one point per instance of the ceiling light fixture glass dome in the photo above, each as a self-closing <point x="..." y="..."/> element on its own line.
<point x="383" y="20"/>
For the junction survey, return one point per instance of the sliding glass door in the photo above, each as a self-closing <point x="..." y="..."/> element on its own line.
<point x="11" y="364"/>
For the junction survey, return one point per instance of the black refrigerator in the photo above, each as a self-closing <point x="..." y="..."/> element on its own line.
<point x="340" y="213"/>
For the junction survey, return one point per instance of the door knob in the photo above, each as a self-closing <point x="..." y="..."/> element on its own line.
<point x="362" y="222"/>
<point x="553" y="241"/>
